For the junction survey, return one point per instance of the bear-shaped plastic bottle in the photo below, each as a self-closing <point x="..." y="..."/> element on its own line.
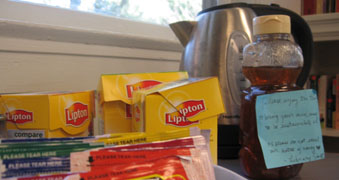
<point x="272" y="63"/>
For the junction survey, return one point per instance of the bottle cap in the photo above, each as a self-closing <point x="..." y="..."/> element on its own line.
<point x="271" y="24"/>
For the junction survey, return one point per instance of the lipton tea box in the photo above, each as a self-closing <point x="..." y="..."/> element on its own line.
<point x="47" y="115"/>
<point x="115" y="97"/>
<point x="180" y="104"/>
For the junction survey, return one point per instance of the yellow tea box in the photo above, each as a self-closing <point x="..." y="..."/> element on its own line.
<point x="47" y="115"/>
<point x="187" y="103"/>
<point x="115" y="97"/>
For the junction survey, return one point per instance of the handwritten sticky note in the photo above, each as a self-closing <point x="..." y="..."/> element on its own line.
<point x="289" y="128"/>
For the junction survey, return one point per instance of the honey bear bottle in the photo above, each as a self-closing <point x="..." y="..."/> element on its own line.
<point x="272" y="63"/>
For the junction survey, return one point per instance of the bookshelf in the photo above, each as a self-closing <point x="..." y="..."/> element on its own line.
<point x="330" y="132"/>
<point x="324" y="27"/>
<point x="325" y="30"/>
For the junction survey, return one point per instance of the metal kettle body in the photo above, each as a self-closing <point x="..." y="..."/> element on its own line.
<point x="213" y="47"/>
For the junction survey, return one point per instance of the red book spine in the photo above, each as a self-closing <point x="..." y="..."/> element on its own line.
<point x="330" y="105"/>
<point x="337" y="103"/>
<point x="309" y="7"/>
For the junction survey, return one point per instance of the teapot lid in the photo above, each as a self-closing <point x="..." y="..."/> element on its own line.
<point x="224" y="6"/>
<point x="238" y="5"/>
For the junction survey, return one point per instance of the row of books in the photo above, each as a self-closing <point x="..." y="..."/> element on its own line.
<point x="327" y="87"/>
<point x="309" y="7"/>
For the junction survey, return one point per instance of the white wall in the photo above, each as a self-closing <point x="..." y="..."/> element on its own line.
<point x="35" y="65"/>
<point x="39" y="53"/>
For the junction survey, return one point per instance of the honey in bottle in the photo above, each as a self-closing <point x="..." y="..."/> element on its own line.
<point x="272" y="63"/>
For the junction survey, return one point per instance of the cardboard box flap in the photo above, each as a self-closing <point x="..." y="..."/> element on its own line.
<point x="121" y="86"/>
<point x="111" y="90"/>
<point x="71" y="112"/>
<point x="198" y="96"/>
<point x="23" y="110"/>
<point x="170" y="85"/>
<point x="192" y="97"/>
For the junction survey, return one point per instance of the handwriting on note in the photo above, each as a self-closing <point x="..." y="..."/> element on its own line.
<point x="289" y="128"/>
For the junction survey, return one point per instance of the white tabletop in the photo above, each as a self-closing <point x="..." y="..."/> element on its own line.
<point x="327" y="168"/>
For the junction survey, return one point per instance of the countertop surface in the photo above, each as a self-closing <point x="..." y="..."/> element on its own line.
<point x="327" y="169"/>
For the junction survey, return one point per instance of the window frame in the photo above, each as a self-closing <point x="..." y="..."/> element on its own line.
<point x="40" y="22"/>
<point x="45" y="48"/>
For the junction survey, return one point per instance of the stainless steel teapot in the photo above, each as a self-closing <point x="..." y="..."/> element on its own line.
<point x="213" y="47"/>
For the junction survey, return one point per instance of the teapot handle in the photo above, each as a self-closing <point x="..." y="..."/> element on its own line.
<point x="301" y="33"/>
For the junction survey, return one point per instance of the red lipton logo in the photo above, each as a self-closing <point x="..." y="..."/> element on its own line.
<point x="140" y="85"/>
<point x="19" y="116"/>
<point x="186" y="109"/>
<point x="76" y="114"/>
